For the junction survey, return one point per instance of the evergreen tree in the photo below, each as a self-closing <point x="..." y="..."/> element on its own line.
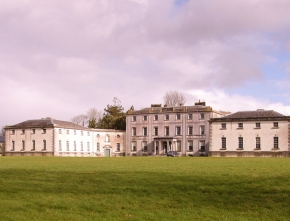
<point x="114" y="117"/>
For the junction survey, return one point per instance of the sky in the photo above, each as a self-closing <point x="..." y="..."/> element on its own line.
<point x="60" y="58"/>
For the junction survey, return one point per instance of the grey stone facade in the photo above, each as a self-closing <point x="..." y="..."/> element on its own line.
<point x="157" y="130"/>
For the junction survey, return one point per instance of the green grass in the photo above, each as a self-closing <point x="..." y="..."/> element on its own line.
<point x="144" y="188"/>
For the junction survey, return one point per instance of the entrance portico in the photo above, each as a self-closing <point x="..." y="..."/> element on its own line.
<point x="161" y="145"/>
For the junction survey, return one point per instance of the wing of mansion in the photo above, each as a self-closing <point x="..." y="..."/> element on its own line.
<point x="196" y="130"/>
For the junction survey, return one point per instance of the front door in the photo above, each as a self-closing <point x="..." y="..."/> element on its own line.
<point x="107" y="152"/>
<point x="165" y="147"/>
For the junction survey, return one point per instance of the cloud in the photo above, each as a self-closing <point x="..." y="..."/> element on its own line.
<point x="219" y="100"/>
<point x="67" y="56"/>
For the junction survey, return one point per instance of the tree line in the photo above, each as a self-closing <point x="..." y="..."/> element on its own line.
<point x="113" y="117"/>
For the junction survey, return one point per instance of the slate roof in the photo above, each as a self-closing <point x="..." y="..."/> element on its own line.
<point x="252" y="115"/>
<point x="46" y="123"/>
<point x="178" y="109"/>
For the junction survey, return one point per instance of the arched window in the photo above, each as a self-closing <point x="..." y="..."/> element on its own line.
<point x="107" y="138"/>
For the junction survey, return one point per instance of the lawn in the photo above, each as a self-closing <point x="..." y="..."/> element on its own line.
<point x="144" y="188"/>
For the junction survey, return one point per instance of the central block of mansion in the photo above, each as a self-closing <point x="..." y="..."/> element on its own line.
<point x="157" y="130"/>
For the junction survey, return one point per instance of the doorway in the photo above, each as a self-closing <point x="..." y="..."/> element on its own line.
<point x="107" y="152"/>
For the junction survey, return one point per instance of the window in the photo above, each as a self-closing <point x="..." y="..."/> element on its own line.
<point x="44" y="144"/>
<point x="44" y="131"/>
<point x="75" y="146"/>
<point x="13" y="132"/>
<point x="144" y="131"/>
<point x="224" y="143"/>
<point x="67" y="131"/>
<point x="33" y="144"/>
<point x="190" y="145"/>
<point x="98" y="146"/>
<point x="201" y="116"/>
<point x="156" y="131"/>
<point x="59" y="146"/>
<point x="178" y="130"/>
<point x="75" y="132"/>
<point x="258" y="125"/>
<point x="201" y="130"/>
<point x="145" y="118"/>
<point x="241" y="143"/>
<point x="144" y="146"/>
<point x="33" y="131"/>
<point x="166" y="131"/>
<point x="107" y="138"/>
<point x="88" y="133"/>
<point x="133" y="131"/>
<point x="177" y="116"/>
<point x="202" y="145"/>
<point x="224" y="125"/>
<point x="190" y="130"/>
<point x="118" y="136"/>
<point x="133" y="118"/>
<point x="82" y="133"/>
<point x="118" y="147"/>
<point x="88" y="146"/>
<point x="240" y="125"/>
<point x="23" y="145"/>
<point x="82" y="146"/>
<point x="155" y="117"/>
<point x="258" y="143"/>
<point x="276" y="142"/>
<point x="13" y="145"/>
<point x="134" y="146"/>
<point x="67" y="146"/>
<point x="166" y="117"/>
<point x="23" y="131"/>
<point x="59" y="131"/>
<point x="275" y="124"/>
<point x="189" y="117"/>
<point x="178" y="143"/>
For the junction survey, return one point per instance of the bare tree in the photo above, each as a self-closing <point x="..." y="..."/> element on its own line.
<point x="80" y="119"/>
<point x="2" y="131"/>
<point x="173" y="98"/>
<point x="93" y="117"/>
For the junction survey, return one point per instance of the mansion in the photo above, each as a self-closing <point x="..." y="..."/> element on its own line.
<point x="196" y="130"/>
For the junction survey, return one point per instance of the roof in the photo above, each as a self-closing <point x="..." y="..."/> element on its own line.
<point x="46" y="123"/>
<point x="252" y="115"/>
<point x="178" y="109"/>
<point x="2" y="139"/>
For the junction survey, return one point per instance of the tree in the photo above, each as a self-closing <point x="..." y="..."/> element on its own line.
<point x="114" y="117"/>
<point x="173" y="99"/>
<point x="3" y="131"/>
<point x="80" y="119"/>
<point x="93" y="117"/>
